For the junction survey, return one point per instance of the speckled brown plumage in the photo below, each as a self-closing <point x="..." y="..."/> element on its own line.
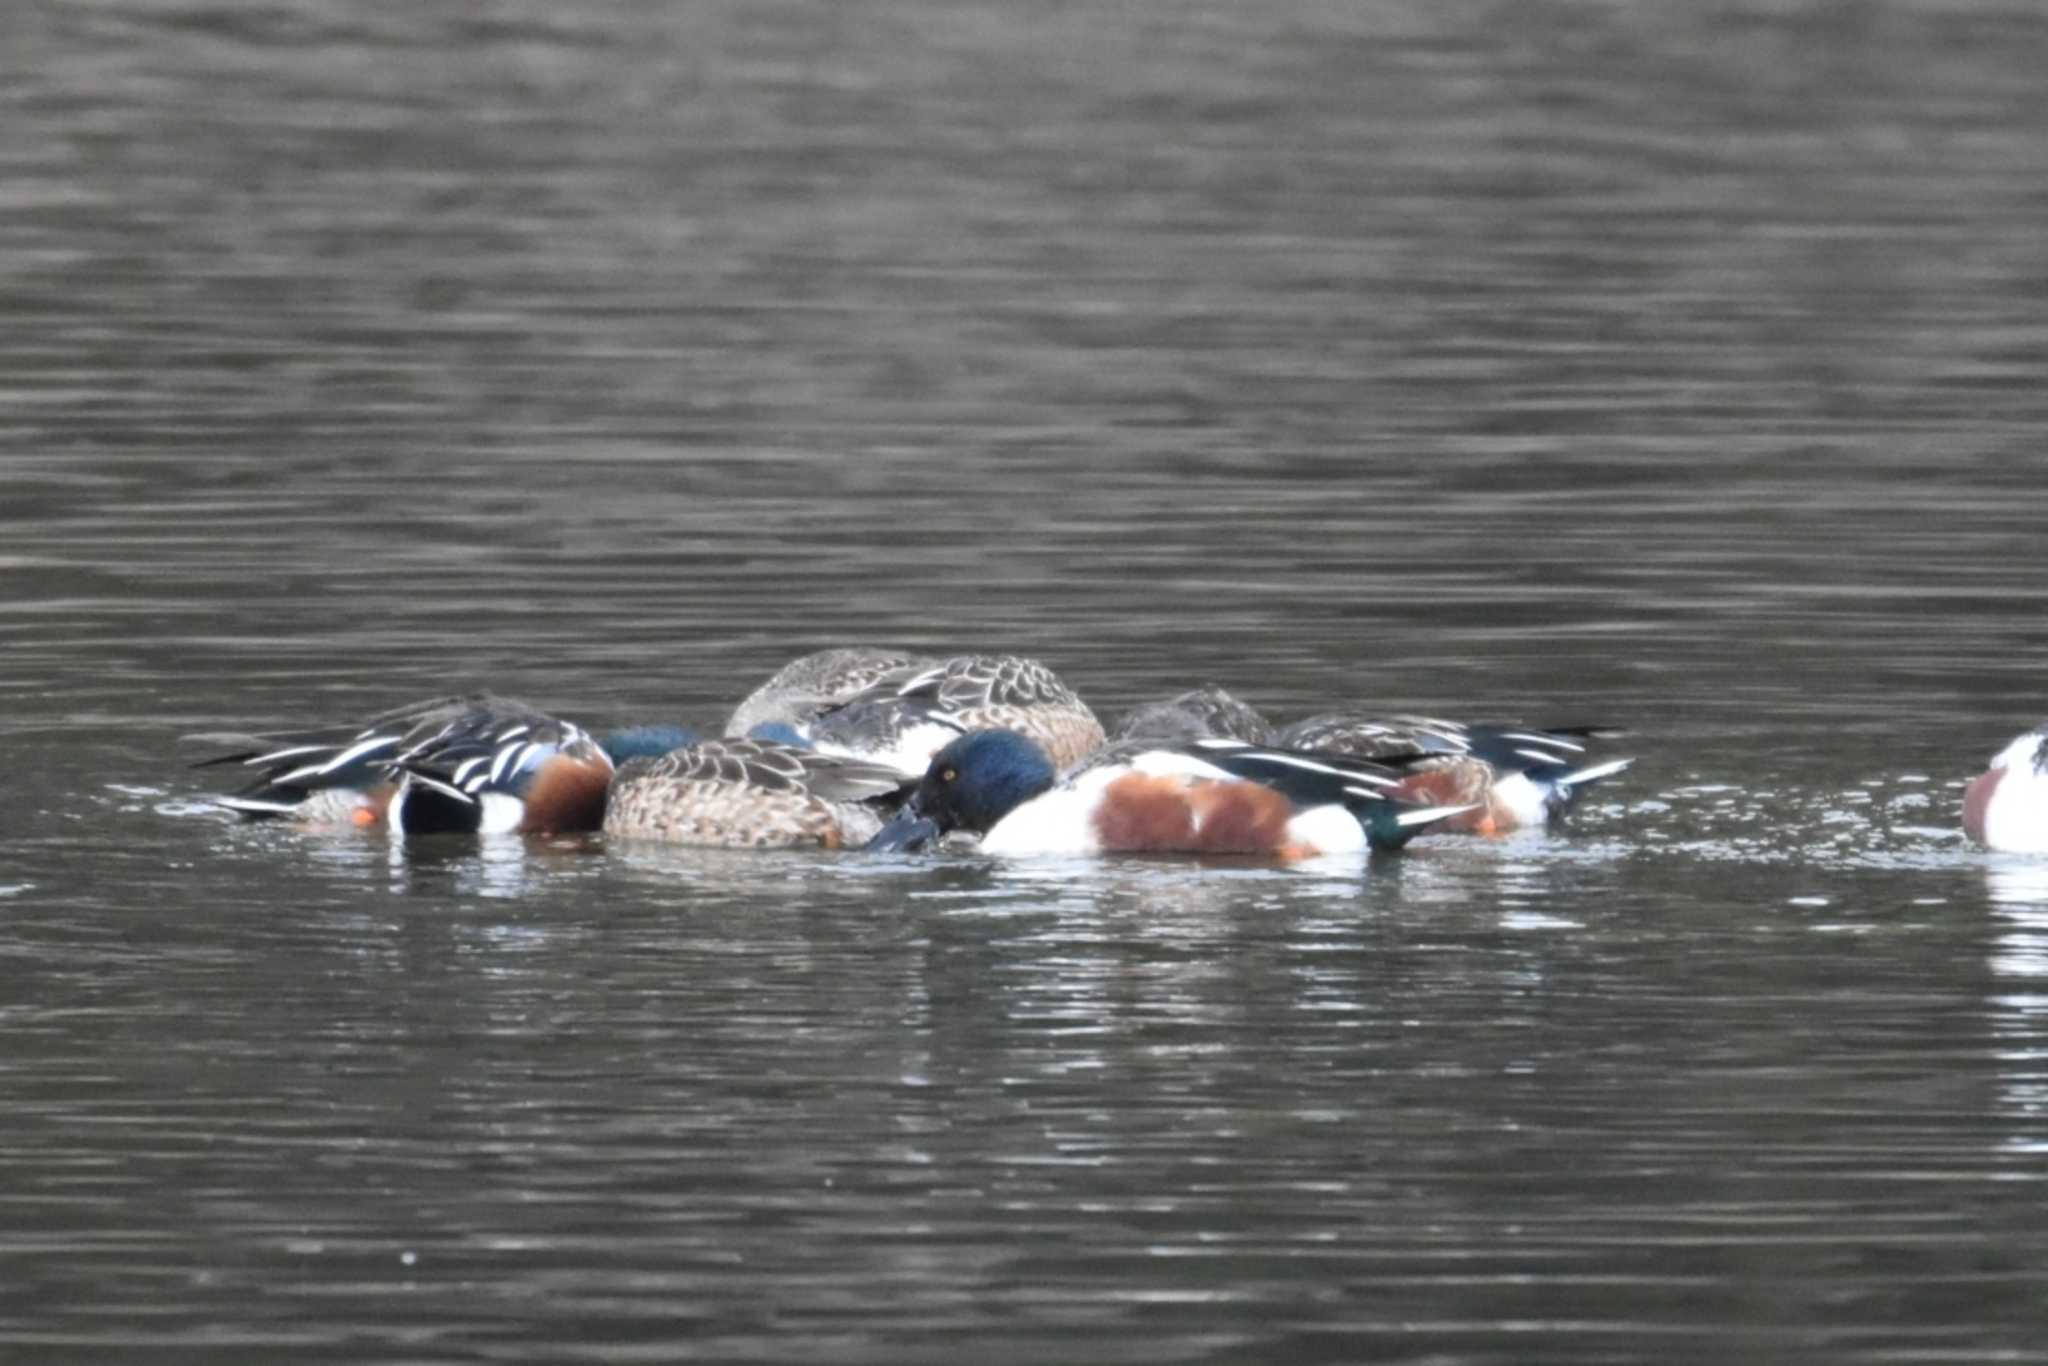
<point x="964" y="693"/>
<point x="805" y="686"/>
<point x="749" y="794"/>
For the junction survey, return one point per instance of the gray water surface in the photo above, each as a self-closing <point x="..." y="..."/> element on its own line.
<point x="1677" y="367"/>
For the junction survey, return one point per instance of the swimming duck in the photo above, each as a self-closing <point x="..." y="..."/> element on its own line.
<point x="1204" y="713"/>
<point x="905" y="718"/>
<point x="2006" y="806"/>
<point x="473" y="763"/>
<point x="794" y="695"/>
<point x="1509" y="776"/>
<point x="1210" y="796"/>
<point x="756" y="794"/>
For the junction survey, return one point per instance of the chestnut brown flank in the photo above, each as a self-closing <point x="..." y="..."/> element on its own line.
<point x="1140" y="812"/>
<point x="1143" y="812"/>
<point x="1240" y="818"/>
<point x="567" y="794"/>
<point x="1977" y="802"/>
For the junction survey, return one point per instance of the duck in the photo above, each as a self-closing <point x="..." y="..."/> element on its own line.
<point x="1206" y="712"/>
<point x="739" y="792"/>
<point x="2006" y="806"/>
<point x="474" y="763"/>
<point x="1508" y="777"/>
<point x="791" y="699"/>
<point x="907" y="716"/>
<point x="1205" y="796"/>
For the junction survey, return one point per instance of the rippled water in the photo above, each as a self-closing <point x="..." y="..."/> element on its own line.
<point x="1671" y="366"/>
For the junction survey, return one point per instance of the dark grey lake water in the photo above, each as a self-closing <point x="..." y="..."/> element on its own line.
<point x="1674" y="366"/>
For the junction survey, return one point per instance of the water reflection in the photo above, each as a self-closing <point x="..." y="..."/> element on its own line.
<point x="1670" y="366"/>
<point x="2016" y="883"/>
<point x="2018" y="1002"/>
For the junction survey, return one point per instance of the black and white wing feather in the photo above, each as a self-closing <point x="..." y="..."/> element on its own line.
<point x="1304" y="778"/>
<point x="460" y="749"/>
<point x="290" y="767"/>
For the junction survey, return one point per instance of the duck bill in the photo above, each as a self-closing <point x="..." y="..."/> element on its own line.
<point x="906" y="833"/>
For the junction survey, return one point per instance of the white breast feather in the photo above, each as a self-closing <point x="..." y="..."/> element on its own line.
<point x="2017" y="819"/>
<point x="1060" y="822"/>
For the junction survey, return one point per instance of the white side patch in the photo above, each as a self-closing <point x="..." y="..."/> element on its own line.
<point x="2016" y="824"/>
<point x="2016" y="820"/>
<point x="1524" y="799"/>
<point x="501" y="814"/>
<point x="1327" y="830"/>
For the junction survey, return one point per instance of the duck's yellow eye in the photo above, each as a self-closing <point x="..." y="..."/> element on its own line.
<point x="947" y="775"/>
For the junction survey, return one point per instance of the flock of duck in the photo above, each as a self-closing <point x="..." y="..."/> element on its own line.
<point x="877" y="749"/>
